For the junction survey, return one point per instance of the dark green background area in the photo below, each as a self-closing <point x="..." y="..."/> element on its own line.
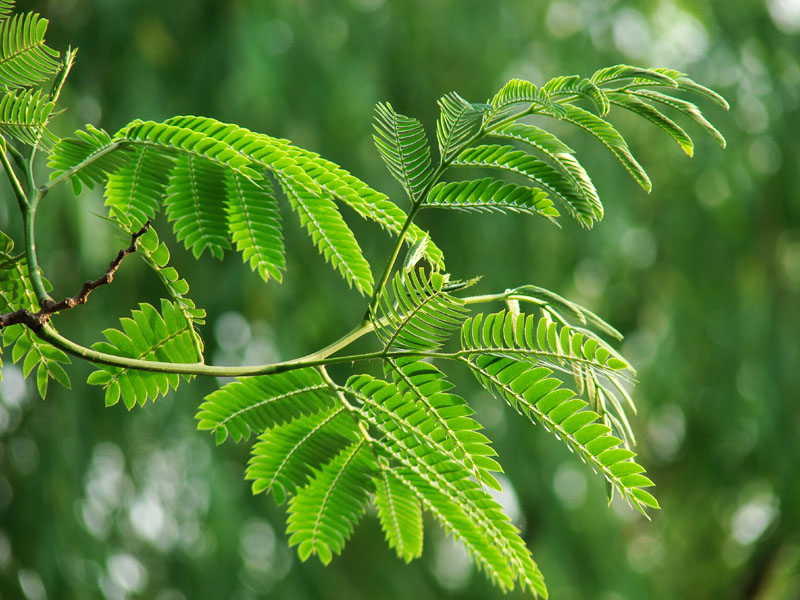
<point x="702" y="276"/>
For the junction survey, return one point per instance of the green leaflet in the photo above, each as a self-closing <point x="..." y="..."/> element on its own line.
<point x="24" y="115"/>
<point x="287" y="455"/>
<point x="89" y="158"/>
<point x="489" y="194"/>
<point x="598" y="371"/>
<point x="574" y="85"/>
<point x="324" y="512"/>
<point x="634" y="104"/>
<point x="195" y="202"/>
<point x="509" y="159"/>
<point x="262" y="402"/>
<point x="147" y="335"/>
<point x="530" y="391"/>
<point x="585" y="205"/>
<point x="25" y="60"/>
<point x="254" y="224"/>
<point x="610" y="137"/>
<point x="403" y="146"/>
<point x="417" y="313"/>
<point x="459" y="123"/>
<point x="400" y="514"/>
<point x="138" y="188"/>
<point x="331" y="235"/>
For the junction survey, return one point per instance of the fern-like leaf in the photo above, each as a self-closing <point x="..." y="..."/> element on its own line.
<point x="530" y="391"/>
<point x="444" y="417"/>
<point x="195" y="202"/>
<point x="262" y="402"/>
<point x="254" y="222"/>
<point x="331" y="235"/>
<point x="403" y="146"/>
<point x="520" y="91"/>
<point x="25" y="59"/>
<point x="147" y="335"/>
<point x="585" y="88"/>
<point x="647" y="111"/>
<point x="24" y="115"/>
<point x="447" y="489"/>
<point x="589" y="208"/>
<point x="307" y="170"/>
<point x="173" y="139"/>
<point x="89" y="158"/>
<point x="687" y="108"/>
<point x="324" y="512"/>
<point x="400" y="514"/>
<point x="459" y="123"/>
<point x="610" y="137"/>
<point x="491" y="194"/>
<point x="287" y="455"/>
<point x="417" y="314"/>
<point x="509" y="159"/>
<point x="618" y="73"/>
<point x="137" y="189"/>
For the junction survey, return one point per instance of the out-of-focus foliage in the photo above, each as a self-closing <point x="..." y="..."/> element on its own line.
<point x="97" y="505"/>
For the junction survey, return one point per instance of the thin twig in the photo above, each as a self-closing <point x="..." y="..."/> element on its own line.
<point x="35" y="320"/>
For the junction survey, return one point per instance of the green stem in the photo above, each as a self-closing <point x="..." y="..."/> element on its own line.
<point x="319" y="358"/>
<point x="22" y="199"/>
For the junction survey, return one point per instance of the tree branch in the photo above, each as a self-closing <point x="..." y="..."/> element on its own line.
<point x="35" y="320"/>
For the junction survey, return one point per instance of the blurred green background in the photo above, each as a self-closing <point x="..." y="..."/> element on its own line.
<point x="702" y="277"/>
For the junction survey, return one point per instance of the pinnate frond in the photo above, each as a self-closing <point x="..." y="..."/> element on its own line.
<point x="415" y="313"/>
<point x="586" y="206"/>
<point x="323" y="513"/>
<point x="24" y="115"/>
<point x="520" y="91"/>
<point x="403" y="146"/>
<point x="636" y="105"/>
<point x="538" y="340"/>
<point x="146" y="335"/>
<point x="195" y="203"/>
<point x="25" y="59"/>
<point x="307" y="170"/>
<point x="582" y="88"/>
<point x="618" y="73"/>
<point x="508" y="158"/>
<point x="529" y="390"/>
<point x="137" y="189"/>
<point x="445" y="418"/>
<point x="611" y="138"/>
<point x="331" y="235"/>
<point x="287" y="455"/>
<point x="400" y="514"/>
<point x="686" y="108"/>
<point x="459" y="123"/>
<point x="254" y="223"/>
<point x="254" y="404"/>
<point x="489" y="195"/>
<point x="88" y="158"/>
<point x="447" y="490"/>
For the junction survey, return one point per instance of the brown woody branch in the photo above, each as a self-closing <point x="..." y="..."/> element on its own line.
<point x="35" y="320"/>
